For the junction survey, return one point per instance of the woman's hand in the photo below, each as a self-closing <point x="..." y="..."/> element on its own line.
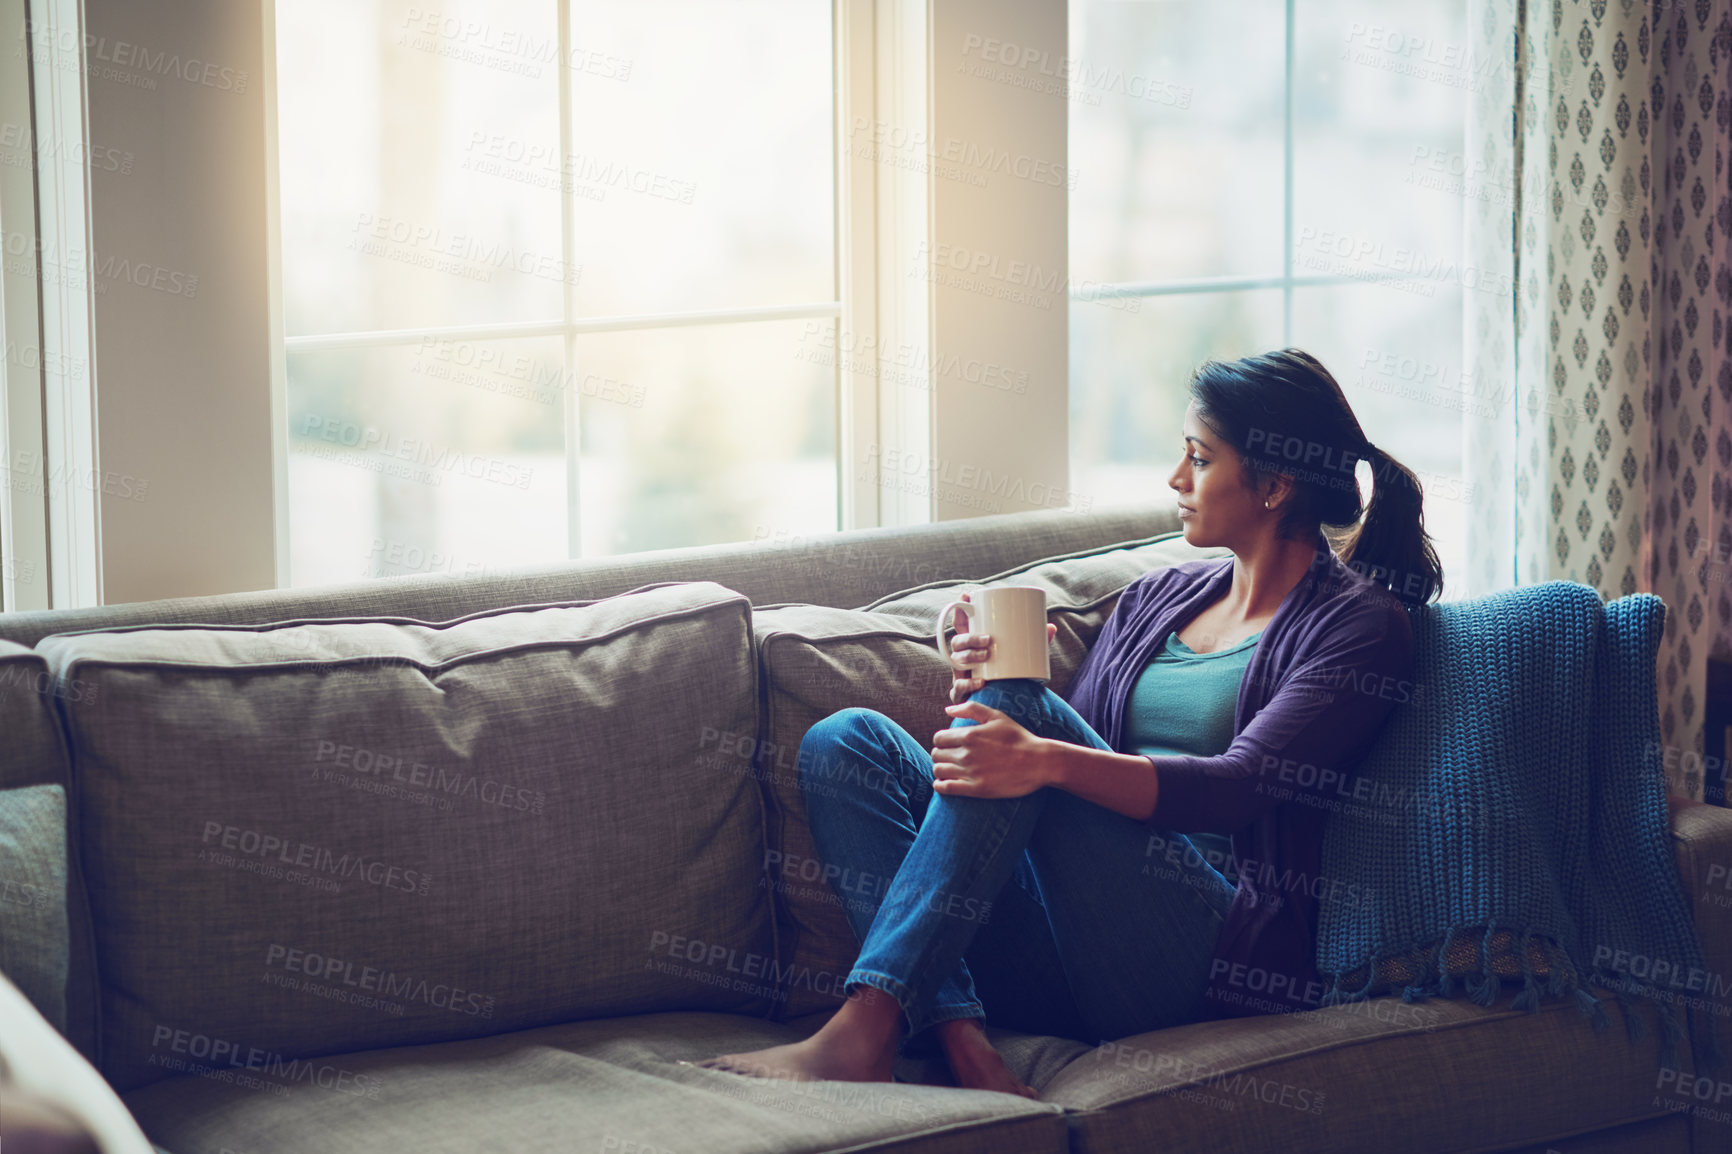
<point x="972" y="649"/>
<point x="995" y="758"/>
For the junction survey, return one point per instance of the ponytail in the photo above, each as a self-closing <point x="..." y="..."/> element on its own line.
<point x="1390" y="545"/>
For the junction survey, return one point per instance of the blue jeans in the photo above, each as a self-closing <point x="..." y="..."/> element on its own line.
<point x="1064" y="917"/>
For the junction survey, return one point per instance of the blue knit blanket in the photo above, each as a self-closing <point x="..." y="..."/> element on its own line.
<point x="1511" y="823"/>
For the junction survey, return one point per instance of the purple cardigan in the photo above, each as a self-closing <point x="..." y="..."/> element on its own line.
<point x="1331" y="665"/>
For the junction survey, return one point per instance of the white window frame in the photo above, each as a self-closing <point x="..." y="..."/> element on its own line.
<point x="23" y="501"/>
<point x="50" y="514"/>
<point x="884" y="212"/>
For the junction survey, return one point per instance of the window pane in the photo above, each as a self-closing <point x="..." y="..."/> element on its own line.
<point x="422" y="182"/>
<point x="1380" y="186"/>
<point x="387" y="222"/>
<point x="1396" y="350"/>
<point x="442" y="457"/>
<point x="703" y="168"/>
<point x="1379" y="169"/>
<point x="1129" y="378"/>
<point x="1175" y="138"/>
<point x="1381" y="182"/>
<point x="696" y="436"/>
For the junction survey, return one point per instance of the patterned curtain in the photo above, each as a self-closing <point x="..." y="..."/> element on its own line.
<point x="1600" y="449"/>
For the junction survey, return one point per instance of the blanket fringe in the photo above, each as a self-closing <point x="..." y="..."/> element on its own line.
<point x="1483" y="987"/>
<point x="1671" y="1033"/>
<point x="1426" y="984"/>
<point x="1558" y="968"/>
<point x="1689" y="1025"/>
<point x="1705" y="1049"/>
<point x="1333" y="994"/>
<point x="1446" y="980"/>
<point x="1591" y="1008"/>
<point x="1337" y="994"/>
<point x="1634" y="1029"/>
<point x="1364" y="991"/>
<point x="1529" y="998"/>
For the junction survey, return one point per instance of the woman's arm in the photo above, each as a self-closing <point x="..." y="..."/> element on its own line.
<point x="1122" y="782"/>
<point x="997" y="757"/>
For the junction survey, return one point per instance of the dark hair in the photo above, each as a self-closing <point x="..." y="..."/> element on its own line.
<point x="1286" y="415"/>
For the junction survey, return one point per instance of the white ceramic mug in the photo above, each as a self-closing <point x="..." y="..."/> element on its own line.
<point x="1015" y="616"/>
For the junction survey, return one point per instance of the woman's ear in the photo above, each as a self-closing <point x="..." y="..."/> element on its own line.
<point x="1280" y="488"/>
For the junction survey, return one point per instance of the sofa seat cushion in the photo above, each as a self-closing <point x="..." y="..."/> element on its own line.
<point x="608" y="1086"/>
<point x="817" y="660"/>
<point x="326" y="836"/>
<point x="1437" y="1076"/>
<point x="1433" y="1077"/>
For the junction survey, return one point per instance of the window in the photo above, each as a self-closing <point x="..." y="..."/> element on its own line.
<point x="542" y="295"/>
<point x="1269" y="173"/>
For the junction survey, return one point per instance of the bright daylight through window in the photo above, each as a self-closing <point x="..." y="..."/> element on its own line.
<point x="551" y="287"/>
<point x="1269" y="173"/>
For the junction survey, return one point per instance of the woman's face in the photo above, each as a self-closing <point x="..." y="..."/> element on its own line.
<point x="1215" y="506"/>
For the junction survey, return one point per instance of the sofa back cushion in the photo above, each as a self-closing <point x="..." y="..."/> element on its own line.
<point x="37" y="950"/>
<point x="35" y="946"/>
<point x="31" y="753"/>
<point x="331" y="835"/>
<point x="817" y="660"/>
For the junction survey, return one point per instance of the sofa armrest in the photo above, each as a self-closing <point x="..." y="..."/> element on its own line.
<point x="1702" y="845"/>
<point x="67" y="1100"/>
<point x="35" y="1125"/>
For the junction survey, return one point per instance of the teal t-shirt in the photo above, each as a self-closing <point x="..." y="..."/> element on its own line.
<point x="1183" y="702"/>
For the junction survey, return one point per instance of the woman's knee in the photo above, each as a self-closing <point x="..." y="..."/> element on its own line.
<point x="1035" y="707"/>
<point x="850" y="746"/>
<point x="845" y="728"/>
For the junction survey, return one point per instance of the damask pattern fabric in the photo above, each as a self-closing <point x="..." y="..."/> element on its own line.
<point x="1609" y="457"/>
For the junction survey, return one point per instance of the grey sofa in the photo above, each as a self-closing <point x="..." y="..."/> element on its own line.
<point x="434" y="864"/>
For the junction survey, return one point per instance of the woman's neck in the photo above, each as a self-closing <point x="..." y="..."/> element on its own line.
<point x="1263" y="575"/>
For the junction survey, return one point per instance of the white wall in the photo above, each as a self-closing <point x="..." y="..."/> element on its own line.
<point x="999" y="205"/>
<point x="182" y="348"/>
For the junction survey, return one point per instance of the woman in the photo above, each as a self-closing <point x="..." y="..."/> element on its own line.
<point x="1231" y="696"/>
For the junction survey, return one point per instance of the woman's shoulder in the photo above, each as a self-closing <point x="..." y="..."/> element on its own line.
<point x="1159" y="587"/>
<point x="1174" y="578"/>
<point x="1346" y="601"/>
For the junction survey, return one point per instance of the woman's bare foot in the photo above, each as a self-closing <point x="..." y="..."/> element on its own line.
<point x="973" y="1061"/>
<point x="858" y="1044"/>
